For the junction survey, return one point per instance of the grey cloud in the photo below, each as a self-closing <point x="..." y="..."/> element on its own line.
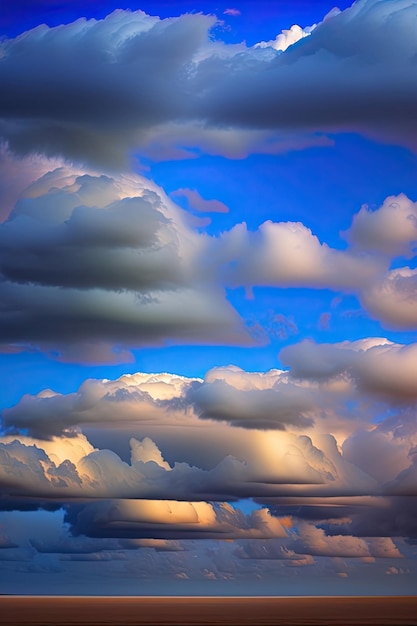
<point x="277" y="408"/>
<point x="390" y="230"/>
<point x="356" y="62"/>
<point x="74" y="545"/>
<point x="197" y="203"/>
<point x="395" y="516"/>
<point x="92" y="264"/>
<point x="375" y="366"/>
<point x="316" y="542"/>
<point x="170" y="520"/>
<point x="273" y="465"/>
<point x="133" y="400"/>
<point x="124" y="243"/>
<point x="102" y="81"/>
<point x="96" y="90"/>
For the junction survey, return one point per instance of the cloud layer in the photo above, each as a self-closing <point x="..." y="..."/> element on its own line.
<point x="140" y="82"/>
<point x="92" y="265"/>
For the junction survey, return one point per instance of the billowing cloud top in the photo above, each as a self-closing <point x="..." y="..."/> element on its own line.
<point x="94" y="90"/>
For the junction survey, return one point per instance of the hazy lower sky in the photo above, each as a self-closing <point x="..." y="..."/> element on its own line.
<point x="208" y="297"/>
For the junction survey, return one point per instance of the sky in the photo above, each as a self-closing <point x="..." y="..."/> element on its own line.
<point x="208" y="298"/>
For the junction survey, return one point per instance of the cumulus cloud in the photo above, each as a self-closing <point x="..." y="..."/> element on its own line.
<point x="92" y="264"/>
<point x="393" y="299"/>
<point x="151" y="519"/>
<point x="390" y="230"/>
<point x="17" y="174"/>
<point x="288" y="254"/>
<point x="140" y="73"/>
<point x="314" y="541"/>
<point x="287" y="38"/>
<point x="376" y="366"/>
<point x="347" y="501"/>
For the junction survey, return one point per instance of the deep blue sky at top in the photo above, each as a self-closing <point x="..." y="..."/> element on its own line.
<point x="257" y="20"/>
<point x="322" y="187"/>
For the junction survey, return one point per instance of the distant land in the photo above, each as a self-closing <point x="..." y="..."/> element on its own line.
<point x="208" y="611"/>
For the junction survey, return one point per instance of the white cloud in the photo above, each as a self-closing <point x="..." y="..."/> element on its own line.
<point x="116" y="252"/>
<point x="287" y="38"/>
<point x="393" y="300"/>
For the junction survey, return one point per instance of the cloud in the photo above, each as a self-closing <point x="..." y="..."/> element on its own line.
<point x="93" y="265"/>
<point x="109" y="106"/>
<point x="375" y="366"/>
<point x="27" y="471"/>
<point x="269" y="408"/>
<point x="356" y="62"/>
<point x="315" y="542"/>
<point x="131" y="400"/>
<point x="393" y="300"/>
<point x="197" y="203"/>
<point x="287" y="38"/>
<point x="6" y="543"/>
<point x="390" y="230"/>
<point x="17" y="174"/>
<point x="288" y="254"/>
<point x="142" y="519"/>
<point x="233" y="12"/>
<point x="343" y="499"/>
<point x="142" y="76"/>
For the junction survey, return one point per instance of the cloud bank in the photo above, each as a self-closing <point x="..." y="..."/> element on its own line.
<point x="165" y="87"/>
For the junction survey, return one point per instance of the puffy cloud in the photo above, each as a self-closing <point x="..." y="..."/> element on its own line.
<point x="132" y="399"/>
<point x="393" y="300"/>
<point x="390" y="230"/>
<point x="287" y="38"/>
<point x="315" y="542"/>
<point x="287" y="254"/>
<point x="110" y="109"/>
<point x="18" y="174"/>
<point x="97" y="89"/>
<point x="151" y="519"/>
<point x="278" y="408"/>
<point x="356" y="62"/>
<point x="91" y="264"/>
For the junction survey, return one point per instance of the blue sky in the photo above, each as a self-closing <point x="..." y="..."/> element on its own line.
<point x="223" y="196"/>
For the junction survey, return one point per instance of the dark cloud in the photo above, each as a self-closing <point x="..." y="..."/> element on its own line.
<point x="91" y="265"/>
<point x="94" y="90"/>
<point x="88" y="105"/>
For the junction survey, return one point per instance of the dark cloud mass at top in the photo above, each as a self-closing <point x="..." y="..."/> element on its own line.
<point x="95" y="90"/>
